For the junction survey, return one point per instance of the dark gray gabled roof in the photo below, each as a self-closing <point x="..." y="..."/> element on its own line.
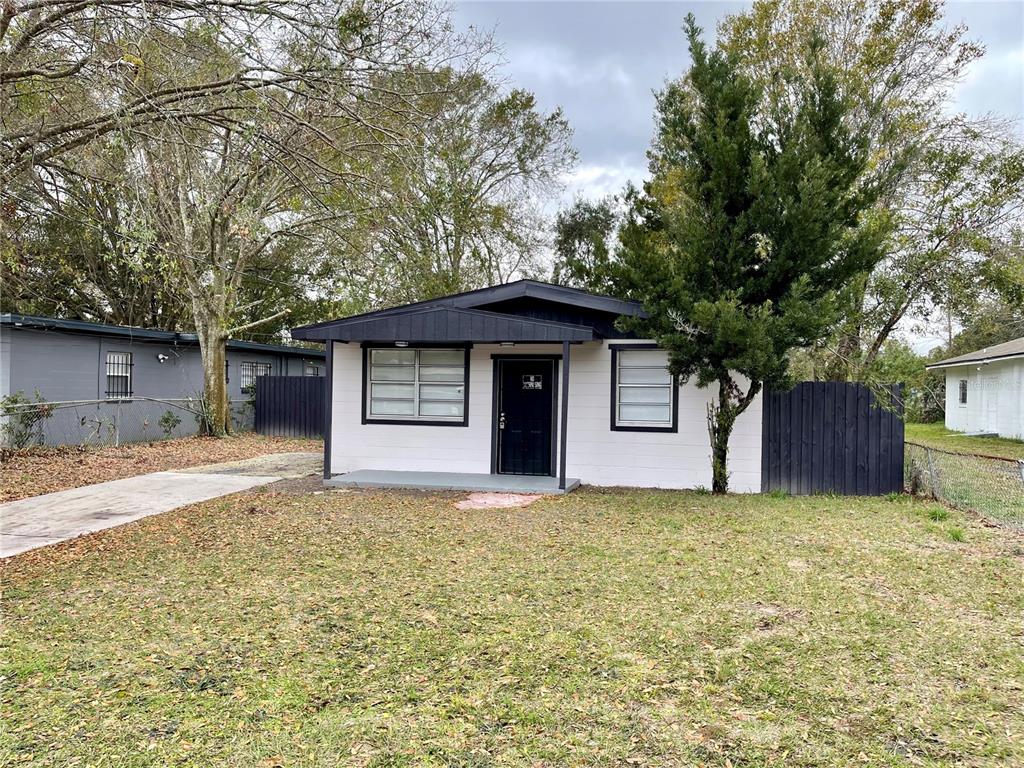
<point x="478" y="300"/>
<point x="445" y="324"/>
<point x="144" y="334"/>
<point x="1005" y="351"/>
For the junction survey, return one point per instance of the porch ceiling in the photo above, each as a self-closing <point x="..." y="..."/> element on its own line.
<point x="446" y="324"/>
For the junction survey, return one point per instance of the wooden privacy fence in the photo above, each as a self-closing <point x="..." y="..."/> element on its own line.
<point x="290" y="406"/>
<point x="832" y="437"/>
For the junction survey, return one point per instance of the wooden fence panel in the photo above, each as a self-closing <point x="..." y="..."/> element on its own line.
<point x="832" y="437"/>
<point x="290" y="406"/>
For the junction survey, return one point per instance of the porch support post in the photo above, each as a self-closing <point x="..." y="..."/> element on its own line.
<point x="328" y="399"/>
<point x="565" y="416"/>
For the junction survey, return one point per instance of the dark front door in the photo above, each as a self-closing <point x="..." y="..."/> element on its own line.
<point x="526" y="401"/>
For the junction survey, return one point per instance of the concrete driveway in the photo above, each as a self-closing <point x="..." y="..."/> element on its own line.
<point x="42" y="520"/>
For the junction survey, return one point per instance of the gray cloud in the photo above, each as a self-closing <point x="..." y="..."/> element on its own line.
<point x="601" y="62"/>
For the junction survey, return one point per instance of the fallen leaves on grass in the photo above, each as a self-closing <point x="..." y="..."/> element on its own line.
<point x="43" y="470"/>
<point x="600" y="628"/>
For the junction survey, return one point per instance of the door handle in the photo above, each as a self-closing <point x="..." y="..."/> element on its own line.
<point x="501" y="420"/>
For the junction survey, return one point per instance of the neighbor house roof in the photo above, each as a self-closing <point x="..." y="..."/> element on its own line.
<point x="466" y="317"/>
<point x="145" y="334"/>
<point x="1006" y="351"/>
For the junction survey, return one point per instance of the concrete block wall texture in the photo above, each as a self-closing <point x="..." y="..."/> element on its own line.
<point x="595" y="454"/>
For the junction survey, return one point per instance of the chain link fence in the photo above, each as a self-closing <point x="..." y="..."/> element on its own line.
<point x="987" y="485"/>
<point x="108" y="422"/>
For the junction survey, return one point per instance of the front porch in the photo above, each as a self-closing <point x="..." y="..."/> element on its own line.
<point x="451" y="481"/>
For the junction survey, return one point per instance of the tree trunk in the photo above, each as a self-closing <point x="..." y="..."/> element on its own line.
<point x="213" y="349"/>
<point x="722" y="417"/>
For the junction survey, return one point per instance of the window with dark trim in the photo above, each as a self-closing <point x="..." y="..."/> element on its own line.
<point x="643" y="396"/>
<point x="249" y="372"/>
<point x="426" y="385"/>
<point x="119" y="375"/>
<point x="963" y="391"/>
<point x="311" y="369"/>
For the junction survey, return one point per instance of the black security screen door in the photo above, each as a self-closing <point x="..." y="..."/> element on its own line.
<point x="525" y="415"/>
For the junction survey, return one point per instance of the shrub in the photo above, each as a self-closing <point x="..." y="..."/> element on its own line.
<point x="23" y="417"/>
<point x="169" y="422"/>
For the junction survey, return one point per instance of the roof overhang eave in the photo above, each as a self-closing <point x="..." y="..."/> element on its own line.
<point x="976" y="361"/>
<point x="342" y="335"/>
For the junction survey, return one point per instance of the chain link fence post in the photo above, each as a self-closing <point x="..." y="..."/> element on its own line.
<point x="933" y="477"/>
<point x="990" y="486"/>
<point x="105" y="422"/>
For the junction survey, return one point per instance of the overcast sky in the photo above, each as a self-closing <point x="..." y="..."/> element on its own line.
<point x="600" y="61"/>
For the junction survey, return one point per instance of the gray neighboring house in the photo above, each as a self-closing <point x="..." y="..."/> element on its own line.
<point x="115" y="382"/>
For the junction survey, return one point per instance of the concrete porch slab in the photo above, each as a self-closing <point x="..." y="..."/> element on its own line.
<point x="450" y="481"/>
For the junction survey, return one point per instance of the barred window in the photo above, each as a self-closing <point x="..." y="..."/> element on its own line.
<point x="417" y="385"/>
<point x="119" y="375"/>
<point x="249" y="373"/>
<point x="643" y="393"/>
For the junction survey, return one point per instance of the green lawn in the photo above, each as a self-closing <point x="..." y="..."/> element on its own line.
<point x="937" y="436"/>
<point x="600" y="628"/>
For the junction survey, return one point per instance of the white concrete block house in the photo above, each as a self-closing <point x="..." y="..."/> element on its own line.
<point x="524" y="386"/>
<point x="985" y="390"/>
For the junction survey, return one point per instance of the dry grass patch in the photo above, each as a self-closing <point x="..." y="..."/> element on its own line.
<point x="43" y="470"/>
<point x="599" y="628"/>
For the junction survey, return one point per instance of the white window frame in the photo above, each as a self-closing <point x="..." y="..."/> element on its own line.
<point x="961" y="395"/>
<point x="121" y="362"/>
<point x="415" y="418"/>
<point x="252" y="368"/>
<point x="622" y="425"/>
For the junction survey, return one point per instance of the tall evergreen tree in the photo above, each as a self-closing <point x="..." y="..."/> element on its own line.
<point x="753" y="224"/>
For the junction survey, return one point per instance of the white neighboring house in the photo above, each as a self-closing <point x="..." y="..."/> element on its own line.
<point x="525" y="386"/>
<point x="985" y="390"/>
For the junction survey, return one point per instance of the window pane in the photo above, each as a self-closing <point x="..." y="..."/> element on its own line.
<point x="644" y="376"/>
<point x="393" y="373"/>
<point x="434" y="408"/>
<point x="647" y="413"/>
<point x="413" y="384"/>
<point x="643" y="357"/>
<point x="644" y="395"/>
<point x="393" y="356"/>
<point x="455" y="357"/>
<point x="441" y="391"/>
<point x="118" y="362"/>
<point x="398" y="391"/>
<point x="117" y="386"/>
<point x="391" y="407"/>
<point x="436" y="373"/>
